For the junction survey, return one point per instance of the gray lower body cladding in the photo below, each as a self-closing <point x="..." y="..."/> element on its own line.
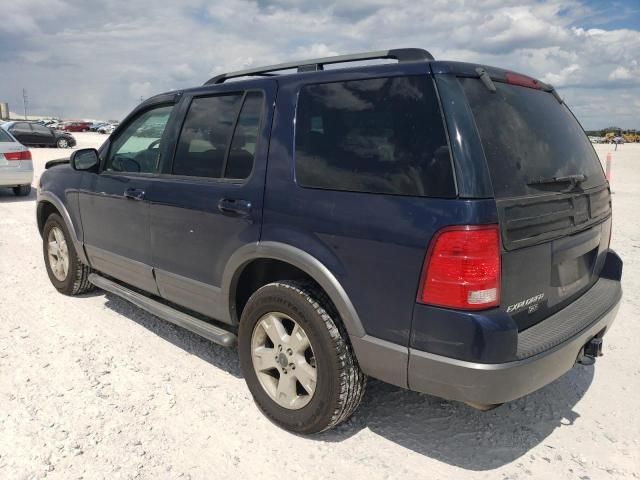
<point x="498" y="383"/>
<point x="492" y="383"/>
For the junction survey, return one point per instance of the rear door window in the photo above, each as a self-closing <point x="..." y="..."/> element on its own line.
<point x="21" y="127"/>
<point x="219" y="135"/>
<point x="528" y="136"/>
<point x="245" y="137"/>
<point x="382" y="135"/>
<point x="41" y="130"/>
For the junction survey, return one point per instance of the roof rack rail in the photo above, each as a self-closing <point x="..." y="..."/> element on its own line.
<point x="400" y="54"/>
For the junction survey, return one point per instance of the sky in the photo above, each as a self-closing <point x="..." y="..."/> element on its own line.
<point x="86" y="59"/>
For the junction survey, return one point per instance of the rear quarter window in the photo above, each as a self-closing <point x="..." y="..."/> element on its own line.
<point x="382" y="135"/>
<point x="4" y="136"/>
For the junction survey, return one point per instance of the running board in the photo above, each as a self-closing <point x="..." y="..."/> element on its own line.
<point x="193" y="324"/>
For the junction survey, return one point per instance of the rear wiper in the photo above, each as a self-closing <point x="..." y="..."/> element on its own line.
<point x="486" y="79"/>
<point x="573" y="180"/>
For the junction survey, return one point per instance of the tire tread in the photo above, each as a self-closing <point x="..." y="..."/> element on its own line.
<point x="352" y="380"/>
<point x="81" y="272"/>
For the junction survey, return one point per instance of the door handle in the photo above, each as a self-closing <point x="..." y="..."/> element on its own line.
<point x="134" y="194"/>
<point x="231" y="206"/>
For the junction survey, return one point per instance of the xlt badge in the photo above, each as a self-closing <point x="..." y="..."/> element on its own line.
<point x="529" y="302"/>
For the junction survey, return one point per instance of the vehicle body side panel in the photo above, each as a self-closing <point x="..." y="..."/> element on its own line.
<point x="472" y="174"/>
<point x="374" y="244"/>
<point x="185" y="216"/>
<point x="116" y="229"/>
<point x="300" y="259"/>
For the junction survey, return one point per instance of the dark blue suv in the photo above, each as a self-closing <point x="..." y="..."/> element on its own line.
<point x="440" y="226"/>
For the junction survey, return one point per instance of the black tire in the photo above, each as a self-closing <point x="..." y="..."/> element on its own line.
<point x="62" y="143"/>
<point x="340" y="382"/>
<point x="22" y="190"/>
<point x="77" y="278"/>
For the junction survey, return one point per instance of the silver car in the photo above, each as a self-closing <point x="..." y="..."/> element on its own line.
<point x="16" y="167"/>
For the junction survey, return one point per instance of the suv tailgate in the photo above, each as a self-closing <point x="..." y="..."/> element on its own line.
<point x="555" y="232"/>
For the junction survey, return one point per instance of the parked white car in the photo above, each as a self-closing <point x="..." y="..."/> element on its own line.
<point x="16" y="167"/>
<point x="108" y="129"/>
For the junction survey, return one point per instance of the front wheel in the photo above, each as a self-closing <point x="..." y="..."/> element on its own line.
<point x="296" y="359"/>
<point x="66" y="271"/>
<point x="62" y="143"/>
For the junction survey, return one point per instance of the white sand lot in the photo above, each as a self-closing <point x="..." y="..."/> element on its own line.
<point x="93" y="387"/>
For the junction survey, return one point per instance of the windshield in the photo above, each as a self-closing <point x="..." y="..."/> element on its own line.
<point x="528" y="136"/>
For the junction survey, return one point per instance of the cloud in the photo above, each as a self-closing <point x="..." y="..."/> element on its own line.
<point x="182" y="72"/>
<point x="562" y="77"/>
<point x="140" y="89"/>
<point x="317" y="50"/>
<point x="626" y="75"/>
<point x="620" y="73"/>
<point x="95" y="59"/>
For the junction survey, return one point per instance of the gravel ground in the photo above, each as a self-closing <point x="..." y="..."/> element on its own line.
<point x="91" y="387"/>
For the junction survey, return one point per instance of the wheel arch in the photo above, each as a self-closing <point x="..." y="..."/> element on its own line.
<point x="44" y="209"/>
<point x="302" y="262"/>
<point x="49" y="203"/>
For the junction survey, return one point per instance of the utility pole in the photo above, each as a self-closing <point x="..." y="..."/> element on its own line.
<point x="24" y="102"/>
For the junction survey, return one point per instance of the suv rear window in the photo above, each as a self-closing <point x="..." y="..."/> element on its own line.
<point x="527" y="135"/>
<point x="382" y="135"/>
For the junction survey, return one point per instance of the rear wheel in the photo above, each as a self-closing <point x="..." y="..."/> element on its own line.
<point x="22" y="190"/>
<point x="66" y="272"/>
<point x="296" y="359"/>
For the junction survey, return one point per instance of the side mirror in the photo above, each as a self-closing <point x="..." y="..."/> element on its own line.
<point x="85" y="159"/>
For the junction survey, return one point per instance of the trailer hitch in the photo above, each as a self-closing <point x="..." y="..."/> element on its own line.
<point x="591" y="350"/>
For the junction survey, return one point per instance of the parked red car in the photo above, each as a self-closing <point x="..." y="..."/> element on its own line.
<point x="75" y="126"/>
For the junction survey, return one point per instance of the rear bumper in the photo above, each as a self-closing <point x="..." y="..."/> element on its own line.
<point x="15" y="176"/>
<point x="483" y="383"/>
<point x="543" y="353"/>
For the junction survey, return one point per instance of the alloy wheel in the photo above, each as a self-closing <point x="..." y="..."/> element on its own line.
<point x="283" y="360"/>
<point x="58" y="254"/>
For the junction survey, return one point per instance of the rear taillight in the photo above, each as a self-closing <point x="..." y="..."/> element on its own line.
<point x="462" y="268"/>
<point x="23" y="155"/>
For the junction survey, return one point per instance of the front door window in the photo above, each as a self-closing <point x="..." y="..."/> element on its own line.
<point x="137" y="148"/>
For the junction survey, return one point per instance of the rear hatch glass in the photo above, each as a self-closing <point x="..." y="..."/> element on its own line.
<point x="528" y="136"/>
<point x="552" y="198"/>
